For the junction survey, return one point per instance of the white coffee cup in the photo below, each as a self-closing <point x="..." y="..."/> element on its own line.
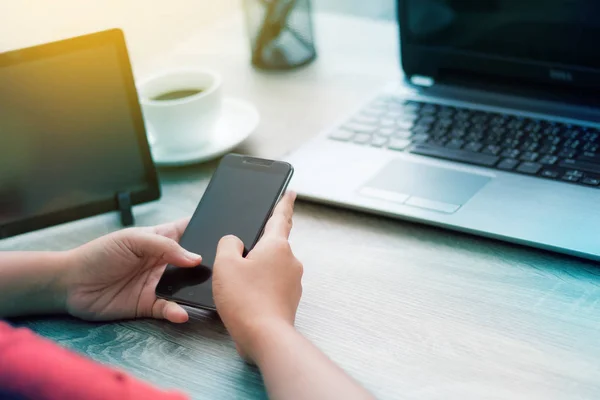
<point x="181" y="121"/>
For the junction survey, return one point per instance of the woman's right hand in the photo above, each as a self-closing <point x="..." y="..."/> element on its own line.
<point x="263" y="290"/>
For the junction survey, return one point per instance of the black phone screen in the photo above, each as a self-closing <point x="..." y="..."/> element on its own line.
<point x="238" y="201"/>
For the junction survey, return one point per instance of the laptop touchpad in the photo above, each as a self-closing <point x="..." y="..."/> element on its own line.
<point x="424" y="186"/>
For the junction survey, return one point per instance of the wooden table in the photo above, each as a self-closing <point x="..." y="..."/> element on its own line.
<point x="410" y="311"/>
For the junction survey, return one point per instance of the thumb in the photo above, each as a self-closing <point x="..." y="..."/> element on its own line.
<point x="230" y="247"/>
<point x="153" y="245"/>
<point x="169" y="310"/>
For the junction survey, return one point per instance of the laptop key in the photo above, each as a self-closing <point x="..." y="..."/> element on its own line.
<point x="438" y="141"/>
<point x="508" y="164"/>
<point x="446" y="122"/>
<point x="462" y="115"/>
<point x="386" y="131"/>
<point x="515" y="124"/>
<point x="548" y="160"/>
<point x="571" y="133"/>
<point x="499" y="120"/>
<point x="567" y="153"/>
<point x="591" y="181"/>
<point x="403" y="117"/>
<point x="393" y="113"/>
<point x="359" y="128"/>
<point x="402" y="133"/>
<point x="366" y="120"/>
<point x="398" y="109"/>
<point x="341" y="135"/>
<point x="492" y="149"/>
<point x="427" y="120"/>
<point x="455" y="144"/>
<point x="530" y="146"/>
<point x="412" y="105"/>
<point x="379" y="141"/>
<point x="574" y="172"/>
<point x="511" y="153"/>
<point x="548" y="149"/>
<point x="473" y="146"/>
<point x="529" y="156"/>
<point x="420" y="129"/>
<point x="552" y="130"/>
<point x="439" y="132"/>
<point x="571" y="178"/>
<point x="589" y="138"/>
<point x="428" y="109"/>
<point x="533" y="126"/>
<point x="398" y="144"/>
<point x="362" y="138"/>
<point x="591" y="147"/>
<point x="552" y="140"/>
<point x="590" y="157"/>
<point x="510" y="143"/>
<point x="455" y="155"/>
<point x="475" y="136"/>
<point x="581" y="166"/>
<point x="458" y="133"/>
<point x="446" y="113"/>
<point x="462" y="124"/>
<point x="549" y="173"/>
<point x="381" y="106"/>
<point x="420" y="138"/>
<point x="404" y="124"/>
<point x="373" y="112"/>
<point x="529" y="167"/>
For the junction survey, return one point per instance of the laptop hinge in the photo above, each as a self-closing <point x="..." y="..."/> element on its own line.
<point x="421" y="81"/>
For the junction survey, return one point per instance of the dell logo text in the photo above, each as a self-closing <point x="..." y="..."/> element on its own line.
<point x="561" y="75"/>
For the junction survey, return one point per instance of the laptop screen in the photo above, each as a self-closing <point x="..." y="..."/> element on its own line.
<point x="560" y="37"/>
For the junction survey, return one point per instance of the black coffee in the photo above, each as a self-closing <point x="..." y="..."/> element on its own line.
<point x="177" y="94"/>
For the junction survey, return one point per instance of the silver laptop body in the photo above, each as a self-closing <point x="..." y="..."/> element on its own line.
<point x="480" y="137"/>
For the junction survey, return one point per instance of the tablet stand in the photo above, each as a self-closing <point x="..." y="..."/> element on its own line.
<point x="125" y="208"/>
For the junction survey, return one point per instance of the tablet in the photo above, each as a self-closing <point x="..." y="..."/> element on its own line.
<point x="72" y="135"/>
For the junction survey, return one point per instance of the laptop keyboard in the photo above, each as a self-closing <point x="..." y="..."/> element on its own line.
<point x="535" y="147"/>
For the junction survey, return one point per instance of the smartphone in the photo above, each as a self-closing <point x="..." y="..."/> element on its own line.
<point x="239" y="200"/>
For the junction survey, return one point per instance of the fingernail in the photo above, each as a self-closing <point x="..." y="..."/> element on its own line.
<point x="192" y="256"/>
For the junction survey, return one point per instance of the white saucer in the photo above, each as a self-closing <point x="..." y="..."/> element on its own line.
<point x="238" y="120"/>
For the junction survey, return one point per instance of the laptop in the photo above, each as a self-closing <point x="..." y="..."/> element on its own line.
<point x="494" y="130"/>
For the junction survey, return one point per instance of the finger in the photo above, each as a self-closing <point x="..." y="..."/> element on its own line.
<point x="169" y="310"/>
<point x="280" y="223"/>
<point x="172" y="230"/>
<point x="230" y="246"/>
<point x="153" y="245"/>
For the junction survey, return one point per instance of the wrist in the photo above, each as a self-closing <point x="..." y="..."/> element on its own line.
<point x="51" y="285"/>
<point x="58" y="284"/>
<point x="32" y="283"/>
<point x="263" y="333"/>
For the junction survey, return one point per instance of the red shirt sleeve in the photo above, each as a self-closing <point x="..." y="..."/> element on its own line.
<point x="35" y="368"/>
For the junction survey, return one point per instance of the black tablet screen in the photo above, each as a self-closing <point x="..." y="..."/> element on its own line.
<point x="67" y="135"/>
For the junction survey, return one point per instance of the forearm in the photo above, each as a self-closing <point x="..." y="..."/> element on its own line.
<point x="30" y="283"/>
<point x="293" y="368"/>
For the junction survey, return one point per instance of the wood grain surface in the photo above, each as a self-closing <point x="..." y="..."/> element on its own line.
<point x="412" y="312"/>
